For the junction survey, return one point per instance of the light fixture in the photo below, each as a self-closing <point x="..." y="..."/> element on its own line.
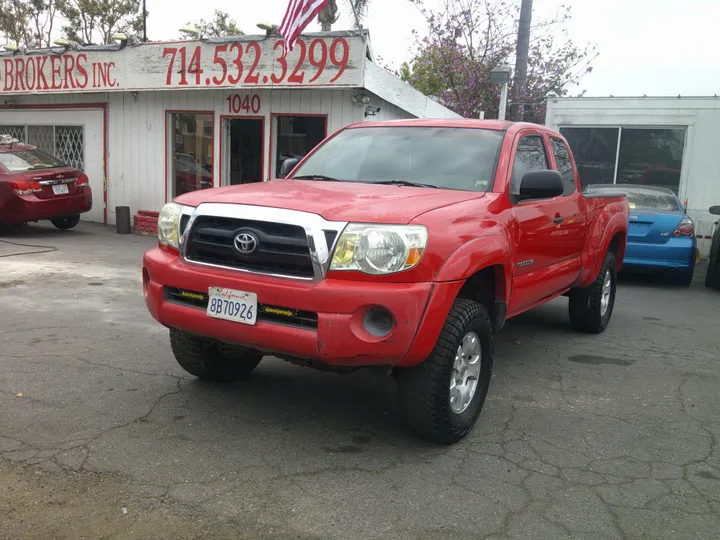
<point x="191" y="31"/>
<point x="360" y="99"/>
<point x="271" y="30"/>
<point x="501" y="75"/>
<point x="120" y="38"/>
<point x="371" y="111"/>
<point x="67" y="44"/>
<point x="13" y="48"/>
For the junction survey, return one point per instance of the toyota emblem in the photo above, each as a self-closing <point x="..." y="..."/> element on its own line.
<point x="245" y="243"/>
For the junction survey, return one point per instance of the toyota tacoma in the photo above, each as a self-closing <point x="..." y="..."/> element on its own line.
<point x="401" y="245"/>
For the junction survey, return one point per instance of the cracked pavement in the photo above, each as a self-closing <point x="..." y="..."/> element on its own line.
<point x="611" y="436"/>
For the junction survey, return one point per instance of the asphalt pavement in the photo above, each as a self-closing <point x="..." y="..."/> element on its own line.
<point x="102" y="435"/>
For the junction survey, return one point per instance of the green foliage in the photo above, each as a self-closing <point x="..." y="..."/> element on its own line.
<point x="468" y="38"/>
<point x="90" y="21"/>
<point x="222" y="25"/>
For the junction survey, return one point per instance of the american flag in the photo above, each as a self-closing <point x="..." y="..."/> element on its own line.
<point x="299" y="14"/>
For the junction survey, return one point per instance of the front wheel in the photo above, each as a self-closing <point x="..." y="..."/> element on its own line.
<point x="592" y="307"/>
<point x="212" y="360"/>
<point x="66" y="222"/>
<point x="443" y="396"/>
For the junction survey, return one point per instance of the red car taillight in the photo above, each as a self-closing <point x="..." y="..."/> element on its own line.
<point x="82" y="180"/>
<point x="686" y="227"/>
<point x="23" y="187"/>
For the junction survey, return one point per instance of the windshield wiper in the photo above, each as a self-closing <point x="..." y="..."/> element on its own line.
<point x="315" y="177"/>
<point x="404" y="183"/>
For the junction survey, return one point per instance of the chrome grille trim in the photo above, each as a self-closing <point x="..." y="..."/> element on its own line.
<point x="314" y="225"/>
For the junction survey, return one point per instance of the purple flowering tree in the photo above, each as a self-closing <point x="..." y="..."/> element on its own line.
<point x="466" y="39"/>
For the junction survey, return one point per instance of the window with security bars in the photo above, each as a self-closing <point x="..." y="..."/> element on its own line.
<point x="67" y="143"/>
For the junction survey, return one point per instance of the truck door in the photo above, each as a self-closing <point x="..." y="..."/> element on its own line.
<point x="571" y="230"/>
<point x="541" y="265"/>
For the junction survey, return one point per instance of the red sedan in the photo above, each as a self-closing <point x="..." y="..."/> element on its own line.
<point x="35" y="186"/>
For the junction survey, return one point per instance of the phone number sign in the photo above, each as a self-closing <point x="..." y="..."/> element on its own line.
<point x="316" y="61"/>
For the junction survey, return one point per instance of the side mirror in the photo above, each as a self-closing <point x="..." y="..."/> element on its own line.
<point x="287" y="166"/>
<point x="543" y="184"/>
<point x="715" y="210"/>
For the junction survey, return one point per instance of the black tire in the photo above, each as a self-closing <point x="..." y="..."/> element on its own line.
<point x="425" y="388"/>
<point x="712" y="278"/>
<point x="212" y="360"/>
<point x="684" y="279"/>
<point x="67" y="222"/>
<point x="586" y="312"/>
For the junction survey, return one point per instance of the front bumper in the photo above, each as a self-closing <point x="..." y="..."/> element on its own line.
<point x="23" y="208"/>
<point x="678" y="253"/>
<point x="340" y="339"/>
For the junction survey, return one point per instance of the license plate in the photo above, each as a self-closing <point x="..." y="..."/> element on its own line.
<point x="232" y="305"/>
<point x="61" y="189"/>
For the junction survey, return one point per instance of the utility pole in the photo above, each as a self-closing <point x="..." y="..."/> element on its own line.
<point x="517" y="109"/>
<point x="144" y="23"/>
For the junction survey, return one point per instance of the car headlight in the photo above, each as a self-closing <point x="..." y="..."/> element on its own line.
<point x="379" y="249"/>
<point x="168" y="225"/>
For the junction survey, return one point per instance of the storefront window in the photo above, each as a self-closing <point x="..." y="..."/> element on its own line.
<point x="647" y="156"/>
<point x="595" y="150"/>
<point x="651" y="157"/>
<point x="296" y="136"/>
<point x="192" y="152"/>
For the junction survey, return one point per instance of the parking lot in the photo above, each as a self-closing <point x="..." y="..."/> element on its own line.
<point x="102" y="435"/>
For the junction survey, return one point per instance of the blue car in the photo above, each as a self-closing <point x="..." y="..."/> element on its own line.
<point x="661" y="236"/>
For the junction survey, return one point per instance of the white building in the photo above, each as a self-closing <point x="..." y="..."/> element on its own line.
<point x="148" y="122"/>
<point x="673" y="142"/>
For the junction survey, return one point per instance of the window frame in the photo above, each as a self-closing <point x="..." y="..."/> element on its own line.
<point x="516" y="145"/>
<point x="170" y="152"/>
<point x="571" y="162"/>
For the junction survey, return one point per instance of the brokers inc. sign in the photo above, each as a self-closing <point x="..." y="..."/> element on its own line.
<point x="316" y="61"/>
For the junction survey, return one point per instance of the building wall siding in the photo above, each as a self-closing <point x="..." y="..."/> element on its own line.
<point x="137" y="130"/>
<point x="700" y="175"/>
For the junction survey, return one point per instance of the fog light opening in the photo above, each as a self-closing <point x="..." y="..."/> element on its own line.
<point x="378" y="322"/>
<point x="146" y="281"/>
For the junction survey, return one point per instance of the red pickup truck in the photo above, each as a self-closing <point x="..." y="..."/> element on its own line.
<point x="400" y="245"/>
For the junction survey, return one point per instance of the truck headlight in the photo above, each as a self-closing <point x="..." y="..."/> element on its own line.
<point x="379" y="249"/>
<point x="168" y="224"/>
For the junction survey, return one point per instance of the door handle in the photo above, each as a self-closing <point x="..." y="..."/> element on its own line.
<point x="558" y="219"/>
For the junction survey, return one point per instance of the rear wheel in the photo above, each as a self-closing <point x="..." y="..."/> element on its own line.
<point x="592" y="307"/>
<point x="684" y="279"/>
<point x="66" y="222"/>
<point x="211" y="360"/>
<point x="712" y="278"/>
<point x="443" y="396"/>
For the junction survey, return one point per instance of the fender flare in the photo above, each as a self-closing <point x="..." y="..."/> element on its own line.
<point x="598" y="244"/>
<point x="476" y="254"/>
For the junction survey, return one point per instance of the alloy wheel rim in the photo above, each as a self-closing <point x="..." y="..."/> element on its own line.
<point x="606" y="292"/>
<point x="465" y="373"/>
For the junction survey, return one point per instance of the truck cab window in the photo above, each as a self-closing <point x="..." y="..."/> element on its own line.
<point x="530" y="156"/>
<point x="562" y="159"/>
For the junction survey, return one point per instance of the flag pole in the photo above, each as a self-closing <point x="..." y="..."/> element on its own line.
<point x="352" y="5"/>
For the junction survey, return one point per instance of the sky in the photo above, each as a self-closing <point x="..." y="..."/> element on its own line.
<point x="647" y="47"/>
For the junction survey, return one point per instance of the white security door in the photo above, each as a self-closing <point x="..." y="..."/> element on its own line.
<point x="73" y="136"/>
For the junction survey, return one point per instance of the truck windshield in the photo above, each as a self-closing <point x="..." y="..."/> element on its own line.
<point x="442" y="157"/>
<point x="26" y="160"/>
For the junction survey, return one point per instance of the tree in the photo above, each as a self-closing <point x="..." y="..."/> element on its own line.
<point x="14" y="21"/>
<point x="90" y="20"/>
<point x="220" y="26"/>
<point x="467" y="38"/>
<point x="28" y="22"/>
<point x="329" y="15"/>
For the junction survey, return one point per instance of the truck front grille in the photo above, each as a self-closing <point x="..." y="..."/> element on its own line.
<point x="280" y="248"/>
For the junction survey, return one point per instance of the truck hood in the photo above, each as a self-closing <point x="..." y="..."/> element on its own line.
<point x="336" y="201"/>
